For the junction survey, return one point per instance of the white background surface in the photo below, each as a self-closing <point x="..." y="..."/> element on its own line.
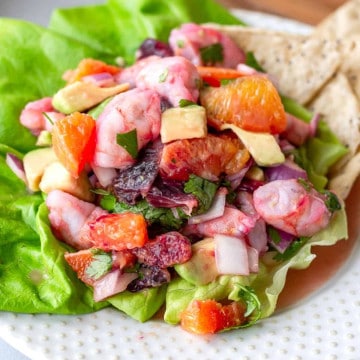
<point x="324" y="327"/>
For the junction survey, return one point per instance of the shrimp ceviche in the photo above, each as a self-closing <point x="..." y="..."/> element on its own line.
<point x="179" y="182"/>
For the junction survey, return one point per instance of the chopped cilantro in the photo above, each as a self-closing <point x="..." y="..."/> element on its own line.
<point x="251" y="61"/>
<point x="180" y="43"/>
<point x="129" y="142"/>
<point x="293" y="248"/>
<point x="274" y="235"/>
<point x="212" y="54"/>
<point x="331" y="201"/>
<point x="203" y="189"/>
<point x="169" y="219"/>
<point x="100" y="192"/>
<point x="100" y="265"/>
<point x="185" y="102"/>
<point x="163" y="75"/>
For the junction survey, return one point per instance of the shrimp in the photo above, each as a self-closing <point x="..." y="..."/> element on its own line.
<point x="69" y="217"/>
<point x="33" y="115"/>
<point x="134" y="109"/>
<point x="174" y="78"/>
<point x="191" y="40"/>
<point x="292" y="207"/>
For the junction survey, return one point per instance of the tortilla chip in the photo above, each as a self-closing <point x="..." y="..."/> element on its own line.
<point x="342" y="182"/>
<point x="341" y="110"/>
<point x="351" y="65"/>
<point x="301" y="65"/>
<point x="342" y="23"/>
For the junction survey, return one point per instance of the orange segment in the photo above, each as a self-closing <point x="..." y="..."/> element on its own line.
<point x="210" y="316"/>
<point x="201" y="317"/>
<point x="119" y="231"/>
<point x="73" y="140"/>
<point x="79" y="262"/>
<point x="249" y="102"/>
<point x="205" y="157"/>
<point x="89" y="67"/>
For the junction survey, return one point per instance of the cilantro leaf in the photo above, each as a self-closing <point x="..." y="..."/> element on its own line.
<point x="203" y="189"/>
<point x="185" y="102"/>
<point x="331" y="201"/>
<point x="163" y="75"/>
<point x="100" y="265"/>
<point x="251" y="61"/>
<point x="212" y="54"/>
<point x="129" y="142"/>
<point x="293" y="248"/>
<point x="169" y="219"/>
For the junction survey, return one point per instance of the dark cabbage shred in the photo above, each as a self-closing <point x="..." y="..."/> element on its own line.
<point x="136" y="180"/>
<point x="151" y="47"/>
<point x="149" y="276"/>
<point x="170" y="194"/>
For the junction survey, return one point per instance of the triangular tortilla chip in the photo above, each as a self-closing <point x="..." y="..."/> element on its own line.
<point x="341" y="110"/>
<point x="300" y="64"/>
<point x="342" y="23"/>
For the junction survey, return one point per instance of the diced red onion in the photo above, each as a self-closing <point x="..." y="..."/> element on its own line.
<point x="297" y="131"/>
<point x="104" y="175"/>
<point x="235" y="179"/>
<point x="285" y="240"/>
<point x="216" y="210"/>
<point x="231" y="255"/>
<point x="257" y="237"/>
<point x="16" y="165"/>
<point x="101" y="79"/>
<point x="112" y="283"/>
<point x="287" y="170"/>
<point x="314" y="122"/>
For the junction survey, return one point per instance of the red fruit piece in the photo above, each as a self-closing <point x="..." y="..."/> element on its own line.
<point x="119" y="231"/>
<point x="73" y="139"/>
<point x="166" y="250"/>
<point x="89" y="264"/>
<point x="205" y="157"/>
<point x="210" y="316"/>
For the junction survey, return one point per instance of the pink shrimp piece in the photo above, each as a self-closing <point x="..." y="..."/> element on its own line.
<point x="33" y="118"/>
<point x="190" y="39"/>
<point x="134" y="109"/>
<point x="233" y="223"/>
<point x="257" y="236"/>
<point x="290" y="206"/>
<point x="173" y="78"/>
<point x="69" y="216"/>
<point x="129" y="74"/>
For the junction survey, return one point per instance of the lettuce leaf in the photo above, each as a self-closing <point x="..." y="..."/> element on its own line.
<point x="319" y="153"/>
<point x="121" y="26"/>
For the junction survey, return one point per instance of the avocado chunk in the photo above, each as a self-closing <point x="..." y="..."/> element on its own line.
<point x="81" y="96"/>
<point x="263" y="147"/>
<point x="35" y="162"/>
<point x="183" y="123"/>
<point x="201" y="269"/>
<point x="56" y="177"/>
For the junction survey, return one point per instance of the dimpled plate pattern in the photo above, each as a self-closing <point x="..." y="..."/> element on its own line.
<point x="324" y="326"/>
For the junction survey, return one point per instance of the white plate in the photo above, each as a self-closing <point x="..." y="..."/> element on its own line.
<point x="326" y="325"/>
